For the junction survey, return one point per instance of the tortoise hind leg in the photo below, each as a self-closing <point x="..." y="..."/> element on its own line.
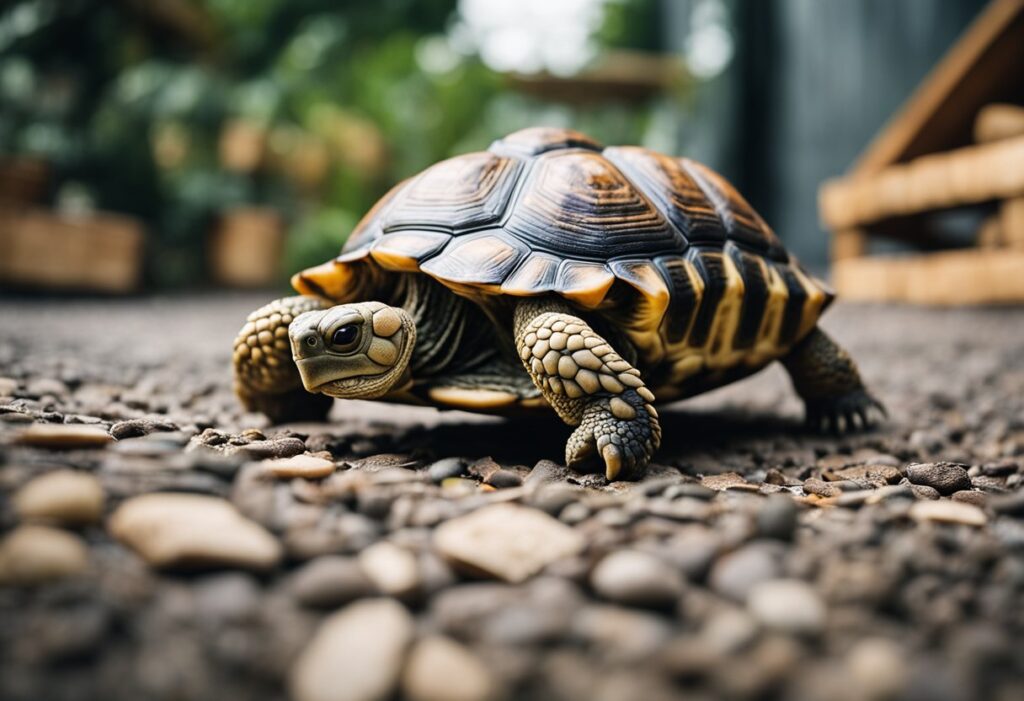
<point x="266" y="379"/>
<point x="826" y="378"/>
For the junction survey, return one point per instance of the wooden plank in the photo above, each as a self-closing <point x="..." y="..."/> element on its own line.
<point x="990" y="233"/>
<point x="849" y="243"/>
<point x="1011" y="222"/>
<point x="101" y="252"/>
<point x="952" y="278"/>
<point x="996" y="122"/>
<point x="986" y="65"/>
<point x="970" y="175"/>
<point x="245" y="247"/>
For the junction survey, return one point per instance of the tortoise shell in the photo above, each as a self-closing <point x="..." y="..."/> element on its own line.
<point x="663" y="248"/>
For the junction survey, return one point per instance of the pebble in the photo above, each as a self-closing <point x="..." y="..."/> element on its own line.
<point x="329" y="581"/>
<point x="307" y="466"/>
<point x="948" y="511"/>
<point x="735" y="574"/>
<point x="8" y="386"/>
<point x="190" y="530"/>
<point x="787" y="605"/>
<point x="506" y="541"/>
<point x="38" y="554"/>
<point x="277" y="448"/>
<point x="923" y="491"/>
<point x="821" y="488"/>
<point x="969" y="496"/>
<point x="392" y="569"/>
<point x="1009" y="504"/>
<point x="728" y="480"/>
<point x="134" y="428"/>
<point x="547" y="472"/>
<point x="64" y="436"/>
<point x="63" y="496"/>
<point x="878" y="668"/>
<point x="620" y="635"/>
<point x="504" y="479"/>
<point x="636" y="578"/>
<point x="446" y="468"/>
<point x="357" y="654"/>
<point x="777" y="517"/>
<point x="441" y="669"/>
<point x="946" y="477"/>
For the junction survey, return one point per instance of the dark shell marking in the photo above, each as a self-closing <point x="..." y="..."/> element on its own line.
<point x="664" y="247"/>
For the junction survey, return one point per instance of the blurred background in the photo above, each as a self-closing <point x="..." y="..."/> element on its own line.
<point x="228" y="142"/>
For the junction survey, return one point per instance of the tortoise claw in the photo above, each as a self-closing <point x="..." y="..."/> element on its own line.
<point x="847" y="413"/>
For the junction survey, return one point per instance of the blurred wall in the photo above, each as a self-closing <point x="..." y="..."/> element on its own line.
<point x="811" y="84"/>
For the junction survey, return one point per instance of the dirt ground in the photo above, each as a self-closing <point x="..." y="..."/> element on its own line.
<point x="426" y="555"/>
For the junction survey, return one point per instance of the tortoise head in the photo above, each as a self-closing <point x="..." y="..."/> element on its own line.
<point x="353" y="351"/>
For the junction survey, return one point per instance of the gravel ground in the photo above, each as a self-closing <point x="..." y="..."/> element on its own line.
<point x="160" y="544"/>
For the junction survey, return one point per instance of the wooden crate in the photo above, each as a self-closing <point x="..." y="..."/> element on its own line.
<point x="99" y="252"/>
<point x="245" y="247"/>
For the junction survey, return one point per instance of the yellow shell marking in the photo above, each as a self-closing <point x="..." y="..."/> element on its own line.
<point x="472" y="398"/>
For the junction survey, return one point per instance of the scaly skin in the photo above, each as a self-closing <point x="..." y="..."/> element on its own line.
<point x="590" y="386"/>
<point x="826" y="378"/>
<point x="266" y="379"/>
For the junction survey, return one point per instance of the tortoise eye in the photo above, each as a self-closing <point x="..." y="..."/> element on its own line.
<point x="345" y="335"/>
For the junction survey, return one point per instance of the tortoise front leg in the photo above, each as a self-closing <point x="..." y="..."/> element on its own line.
<point x="266" y="379"/>
<point x="590" y="386"/>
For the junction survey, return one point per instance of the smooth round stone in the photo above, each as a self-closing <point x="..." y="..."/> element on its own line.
<point x="506" y="541"/>
<point x="62" y="496"/>
<point x="734" y="574"/>
<point x="64" y="436"/>
<point x="307" y="466"/>
<point x="440" y="669"/>
<point x="787" y="605"/>
<point x="392" y="569"/>
<point x="636" y="578"/>
<point x="192" y="531"/>
<point x="948" y="511"/>
<point x="878" y="667"/>
<point x="330" y="580"/>
<point x="38" y="554"/>
<point x="504" y="479"/>
<point x="356" y="654"/>
<point x="777" y="517"/>
<point x="446" y="468"/>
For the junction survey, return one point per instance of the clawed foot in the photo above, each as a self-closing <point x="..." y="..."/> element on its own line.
<point x="623" y="430"/>
<point x="853" y="411"/>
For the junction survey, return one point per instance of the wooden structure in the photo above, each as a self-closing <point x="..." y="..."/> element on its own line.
<point x="957" y="143"/>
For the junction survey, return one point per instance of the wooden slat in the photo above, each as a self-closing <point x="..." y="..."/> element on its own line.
<point x="996" y="122"/>
<point x="1011" y="222"/>
<point x="985" y="65"/>
<point x="990" y="233"/>
<point x="849" y="243"/>
<point x="969" y="175"/>
<point x="953" y="278"/>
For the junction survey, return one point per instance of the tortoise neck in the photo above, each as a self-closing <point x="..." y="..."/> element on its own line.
<point x="441" y="319"/>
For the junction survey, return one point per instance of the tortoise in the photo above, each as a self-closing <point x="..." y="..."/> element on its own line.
<point x="551" y="272"/>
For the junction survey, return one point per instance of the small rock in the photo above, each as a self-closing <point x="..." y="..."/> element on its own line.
<point x="1009" y="504"/>
<point x="969" y="496"/>
<point x="620" y="635"/>
<point x="546" y="472"/>
<point x="38" y="554"/>
<point x="777" y="517"/>
<point x="134" y="428"/>
<point x="277" y="448"/>
<point x="443" y="469"/>
<point x="946" y="477"/>
<point x="356" y="654"/>
<point x="923" y="491"/>
<point x="392" y="569"/>
<point x="307" y="466"/>
<point x="440" y="669"/>
<point x="504" y="479"/>
<point x="787" y="605"/>
<point x="8" y="386"/>
<point x="728" y="480"/>
<point x="506" y="541"/>
<point x="878" y="668"/>
<point x="813" y="485"/>
<point x="636" y="578"/>
<point x="61" y="496"/>
<point x="329" y="581"/>
<point x="64" y="436"/>
<point x="947" y="511"/>
<point x="191" y="530"/>
<point x="734" y="574"/>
